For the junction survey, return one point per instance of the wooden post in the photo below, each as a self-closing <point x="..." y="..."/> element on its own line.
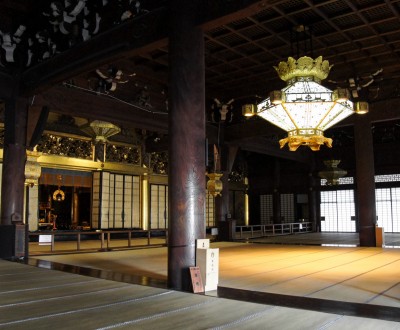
<point x="276" y="197"/>
<point x="365" y="180"/>
<point x="13" y="177"/>
<point x="187" y="183"/>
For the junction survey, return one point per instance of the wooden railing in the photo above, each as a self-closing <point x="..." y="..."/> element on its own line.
<point x="104" y="238"/>
<point x="272" y="229"/>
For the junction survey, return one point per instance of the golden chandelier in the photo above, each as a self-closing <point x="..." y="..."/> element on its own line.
<point x="305" y="108"/>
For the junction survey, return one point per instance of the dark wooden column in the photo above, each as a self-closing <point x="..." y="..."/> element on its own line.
<point x="13" y="177"/>
<point x="276" y="197"/>
<point x="222" y="202"/>
<point x="365" y="181"/>
<point x="313" y="199"/>
<point x="75" y="208"/>
<point x="187" y="183"/>
<point x="222" y="166"/>
<point x="226" y="225"/>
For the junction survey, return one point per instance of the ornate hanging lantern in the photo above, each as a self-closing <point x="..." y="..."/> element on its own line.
<point x="332" y="173"/>
<point x="100" y="131"/>
<point x="214" y="184"/>
<point x="59" y="195"/>
<point x="305" y="108"/>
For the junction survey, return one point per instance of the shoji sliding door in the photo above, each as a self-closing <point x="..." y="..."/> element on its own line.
<point x="116" y="201"/>
<point x="338" y="211"/>
<point x="158" y="206"/>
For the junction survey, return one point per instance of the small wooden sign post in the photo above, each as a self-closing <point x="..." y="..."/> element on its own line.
<point x="197" y="283"/>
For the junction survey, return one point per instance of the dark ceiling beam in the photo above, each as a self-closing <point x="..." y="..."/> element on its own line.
<point x="124" y="40"/>
<point x="263" y="146"/>
<point x="7" y="84"/>
<point x="251" y="128"/>
<point x="255" y="136"/>
<point x="153" y="145"/>
<point x="385" y="110"/>
<point x="89" y="105"/>
<point x="83" y="104"/>
<point x="147" y="33"/>
<point x="129" y="67"/>
<point x="225" y="14"/>
<point x="160" y="145"/>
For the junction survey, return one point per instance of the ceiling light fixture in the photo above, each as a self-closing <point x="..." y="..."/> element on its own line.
<point x="305" y="108"/>
<point x="58" y="194"/>
<point x="100" y="131"/>
<point x="332" y="173"/>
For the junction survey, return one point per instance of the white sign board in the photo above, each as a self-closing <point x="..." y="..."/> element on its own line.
<point x="202" y="243"/>
<point x="208" y="262"/>
<point x="45" y="239"/>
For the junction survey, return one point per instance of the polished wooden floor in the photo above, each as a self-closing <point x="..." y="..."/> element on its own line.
<point x="261" y="286"/>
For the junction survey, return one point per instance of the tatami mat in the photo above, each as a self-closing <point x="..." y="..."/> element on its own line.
<point x="350" y="274"/>
<point x="37" y="298"/>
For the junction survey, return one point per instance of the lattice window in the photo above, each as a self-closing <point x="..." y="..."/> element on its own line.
<point x="378" y="178"/>
<point x="345" y="180"/>
<point x="287" y="208"/>
<point x="266" y="209"/>
<point x="387" y="178"/>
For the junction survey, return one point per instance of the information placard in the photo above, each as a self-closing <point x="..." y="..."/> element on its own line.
<point x="197" y="283"/>
<point x="45" y="239"/>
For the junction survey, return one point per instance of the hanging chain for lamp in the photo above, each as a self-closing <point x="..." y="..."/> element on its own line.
<point x="59" y="195"/>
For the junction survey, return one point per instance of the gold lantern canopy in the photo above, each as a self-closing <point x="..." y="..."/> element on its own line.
<point x="305" y="108"/>
<point x="100" y="131"/>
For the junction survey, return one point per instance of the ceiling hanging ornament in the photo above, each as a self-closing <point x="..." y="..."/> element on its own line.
<point x="332" y="172"/>
<point x="59" y="195"/>
<point x="214" y="183"/>
<point x="100" y="131"/>
<point x="304" y="108"/>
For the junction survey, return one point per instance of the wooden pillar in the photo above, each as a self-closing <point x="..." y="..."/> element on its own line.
<point x="222" y="202"/>
<point x="221" y="166"/>
<point x="226" y="224"/>
<point x="75" y="208"/>
<point x="276" y="197"/>
<point x="365" y="180"/>
<point x="187" y="182"/>
<point x="13" y="177"/>
<point x="313" y="199"/>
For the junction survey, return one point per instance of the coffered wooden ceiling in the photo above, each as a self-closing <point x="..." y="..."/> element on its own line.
<point x="244" y="39"/>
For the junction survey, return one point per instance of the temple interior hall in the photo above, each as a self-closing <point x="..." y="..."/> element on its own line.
<point x="200" y="164"/>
